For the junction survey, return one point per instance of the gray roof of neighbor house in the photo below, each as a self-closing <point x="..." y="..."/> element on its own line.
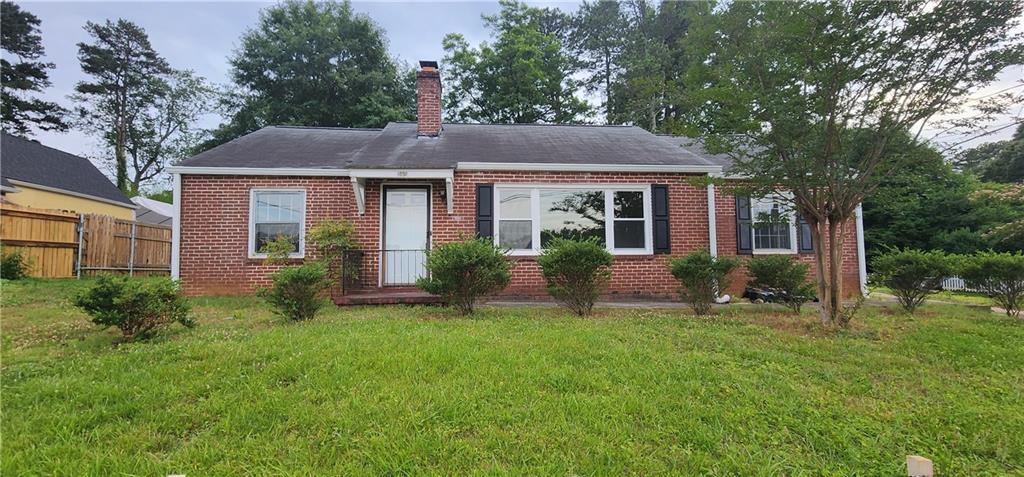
<point x="397" y="146"/>
<point x="31" y="162"/>
<point x="287" y="146"/>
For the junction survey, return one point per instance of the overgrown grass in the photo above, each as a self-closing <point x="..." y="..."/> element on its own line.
<point x="513" y="391"/>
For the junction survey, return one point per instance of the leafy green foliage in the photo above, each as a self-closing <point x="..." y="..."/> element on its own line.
<point x="1000" y="275"/>
<point x="460" y="272"/>
<point x="314" y="64"/>
<point x="296" y="291"/>
<point x="278" y="251"/>
<point x="20" y="38"/>
<point x="575" y="271"/>
<point x="525" y="76"/>
<point x="1001" y="161"/>
<point x="331" y="238"/>
<point x="139" y="307"/>
<point x="783" y="276"/>
<point x="13" y="266"/>
<point x="911" y="274"/>
<point x="700" y="275"/>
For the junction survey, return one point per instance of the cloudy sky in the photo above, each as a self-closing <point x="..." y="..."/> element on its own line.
<point x="201" y="35"/>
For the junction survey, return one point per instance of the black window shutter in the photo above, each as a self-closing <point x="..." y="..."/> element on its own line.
<point x="804" y="242"/>
<point x="485" y="210"/>
<point x="659" y="202"/>
<point x="744" y="226"/>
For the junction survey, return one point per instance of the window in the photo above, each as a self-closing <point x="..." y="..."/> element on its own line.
<point x="774" y="226"/>
<point x="274" y="213"/>
<point x="530" y="217"/>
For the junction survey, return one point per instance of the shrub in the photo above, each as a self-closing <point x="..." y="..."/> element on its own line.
<point x="1000" y="275"/>
<point x="13" y="266"/>
<point x="575" y="271"/>
<point x="296" y="291"/>
<point x="911" y="274"/>
<point x="460" y="272"/>
<point x="331" y="239"/>
<point x="700" y="273"/>
<point x="139" y="307"/>
<point x="278" y="251"/>
<point x="783" y="277"/>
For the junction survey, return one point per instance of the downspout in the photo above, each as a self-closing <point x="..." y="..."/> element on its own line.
<point x="713" y="236"/>
<point x="862" y="266"/>
<point x="176" y="227"/>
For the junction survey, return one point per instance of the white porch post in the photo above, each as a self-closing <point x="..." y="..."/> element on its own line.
<point x="862" y="266"/>
<point x="712" y="222"/>
<point x="176" y="227"/>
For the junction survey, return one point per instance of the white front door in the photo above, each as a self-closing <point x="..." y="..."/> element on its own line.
<point x="406" y="234"/>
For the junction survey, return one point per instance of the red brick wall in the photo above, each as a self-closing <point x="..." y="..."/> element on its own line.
<point x="215" y="213"/>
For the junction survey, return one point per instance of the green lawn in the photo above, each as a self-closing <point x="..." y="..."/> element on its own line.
<point x="513" y="391"/>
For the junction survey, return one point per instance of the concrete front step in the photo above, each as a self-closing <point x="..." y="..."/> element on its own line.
<point x="387" y="296"/>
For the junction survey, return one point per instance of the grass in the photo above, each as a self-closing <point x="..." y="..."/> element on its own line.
<point x="402" y="391"/>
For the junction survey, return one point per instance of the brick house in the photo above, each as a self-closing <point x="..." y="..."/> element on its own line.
<point x="409" y="186"/>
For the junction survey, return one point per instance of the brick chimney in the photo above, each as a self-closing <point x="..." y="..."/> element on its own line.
<point x="428" y="100"/>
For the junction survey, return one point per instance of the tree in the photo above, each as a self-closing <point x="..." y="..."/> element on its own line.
<point x="314" y="64"/>
<point x="598" y="37"/>
<point x="126" y="80"/>
<point x="815" y="110"/>
<point x="164" y="131"/>
<point x="20" y="38"/>
<point x="1000" y="161"/>
<point x="526" y="76"/>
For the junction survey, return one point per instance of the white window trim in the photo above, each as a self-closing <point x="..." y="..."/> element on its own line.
<point x="609" y="211"/>
<point x="252" y="221"/>
<point x="792" y="250"/>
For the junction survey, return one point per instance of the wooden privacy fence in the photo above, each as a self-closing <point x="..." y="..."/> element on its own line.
<point x="61" y="245"/>
<point x="48" y="239"/>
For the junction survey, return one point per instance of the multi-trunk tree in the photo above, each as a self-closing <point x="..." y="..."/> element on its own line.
<point x="811" y="98"/>
<point x="21" y="42"/>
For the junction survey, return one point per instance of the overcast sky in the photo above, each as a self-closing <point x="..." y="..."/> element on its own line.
<point x="201" y="35"/>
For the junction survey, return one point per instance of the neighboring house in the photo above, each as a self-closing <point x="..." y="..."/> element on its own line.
<point x="410" y="186"/>
<point x="34" y="175"/>
<point x="152" y="211"/>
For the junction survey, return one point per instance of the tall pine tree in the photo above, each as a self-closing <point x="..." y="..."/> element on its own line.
<point x="19" y="110"/>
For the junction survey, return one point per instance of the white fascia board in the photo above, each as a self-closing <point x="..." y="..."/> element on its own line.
<point x="522" y="166"/>
<point x="258" y="171"/>
<point x="442" y="174"/>
<point x="72" y="193"/>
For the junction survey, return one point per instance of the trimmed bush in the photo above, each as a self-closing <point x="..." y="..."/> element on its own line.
<point x="460" y="272"/>
<point x="576" y="271"/>
<point x="911" y="274"/>
<point x="296" y="291"/>
<point x="13" y="266"/>
<point x="139" y="307"/>
<point x="1000" y="275"/>
<point x="331" y="239"/>
<point x="699" y="274"/>
<point x="782" y="276"/>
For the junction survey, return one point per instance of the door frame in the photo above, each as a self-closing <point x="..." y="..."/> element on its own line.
<point x="382" y="240"/>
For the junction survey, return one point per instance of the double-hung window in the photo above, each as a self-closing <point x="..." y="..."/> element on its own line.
<point x="774" y="226"/>
<point x="277" y="213"/>
<point x="530" y="217"/>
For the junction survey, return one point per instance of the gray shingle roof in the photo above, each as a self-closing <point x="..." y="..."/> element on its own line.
<point x="695" y="147"/>
<point x="29" y="161"/>
<point x="287" y="146"/>
<point x="398" y="147"/>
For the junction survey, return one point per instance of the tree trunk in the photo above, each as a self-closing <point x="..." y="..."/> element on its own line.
<point x="817" y="238"/>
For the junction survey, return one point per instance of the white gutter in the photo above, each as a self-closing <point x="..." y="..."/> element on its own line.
<point x="862" y="266"/>
<point x="443" y="174"/>
<point x="712" y="222"/>
<point x="72" y="193"/>
<point x="555" y="167"/>
<point x="259" y="171"/>
<point x="176" y="227"/>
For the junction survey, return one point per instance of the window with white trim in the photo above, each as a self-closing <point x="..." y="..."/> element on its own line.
<point x="529" y="217"/>
<point x="277" y="213"/>
<point x="774" y="226"/>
